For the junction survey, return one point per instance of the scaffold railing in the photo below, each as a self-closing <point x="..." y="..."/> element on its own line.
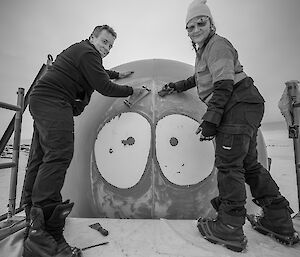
<point x="14" y="164"/>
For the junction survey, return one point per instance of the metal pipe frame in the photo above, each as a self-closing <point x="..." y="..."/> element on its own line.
<point x="14" y="165"/>
<point x="6" y="165"/>
<point x="9" y="106"/>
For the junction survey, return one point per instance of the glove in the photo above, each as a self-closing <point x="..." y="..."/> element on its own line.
<point x="78" y="107"/>
<point x="171" y="85"/>
<point x="208" y="130"/>
<point x="167" y="89"/>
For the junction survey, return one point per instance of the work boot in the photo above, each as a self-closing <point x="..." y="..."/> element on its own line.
<point x="226" y="229"/>
<point x="275" y="220"/>
<point x="43" y="243"/>
<point x="27" y="208"/>
<point x="55" y="226"/>
<point x="39" y="242"/>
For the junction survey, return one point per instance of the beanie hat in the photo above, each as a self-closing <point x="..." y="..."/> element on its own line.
<point x="197" y="8"/>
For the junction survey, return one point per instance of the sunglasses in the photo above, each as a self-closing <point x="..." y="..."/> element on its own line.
<point x="201" y="22"/>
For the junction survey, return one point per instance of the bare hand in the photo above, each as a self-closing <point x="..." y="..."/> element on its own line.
<point x="137" y="92"/>
<point x="125" y="74"/>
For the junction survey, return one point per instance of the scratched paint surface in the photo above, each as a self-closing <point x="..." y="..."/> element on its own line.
<point x="122" y="148"/>
<point x="183" y="159"/>
<point x="169" y="174"/>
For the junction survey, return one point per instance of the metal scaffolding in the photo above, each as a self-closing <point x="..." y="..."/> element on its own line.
<point x="14" y="164"/>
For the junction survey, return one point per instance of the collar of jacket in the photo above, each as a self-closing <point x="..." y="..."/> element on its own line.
<point x="210" y="35"/>
<point x="89" y="43"/>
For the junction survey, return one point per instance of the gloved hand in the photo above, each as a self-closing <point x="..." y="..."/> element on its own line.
<point x="78" y="107"/>
<point x="125" y="74"/>
<point x="207" y="130"/>
<point x="167" y="89"/>
<point x="170" y="85"/>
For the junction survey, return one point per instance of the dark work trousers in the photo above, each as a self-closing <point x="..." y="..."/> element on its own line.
<point x="51" y="150"/>
<point x="236" y="157"/>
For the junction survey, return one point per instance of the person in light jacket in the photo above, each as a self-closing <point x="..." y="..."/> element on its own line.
<point x="234" y="112"/>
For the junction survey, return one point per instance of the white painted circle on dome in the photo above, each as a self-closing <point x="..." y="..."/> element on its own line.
<point x="183" y="159"/>
<point x="122" y="148"/>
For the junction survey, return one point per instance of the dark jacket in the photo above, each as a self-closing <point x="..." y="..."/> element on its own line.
<point x="76" y="73"/>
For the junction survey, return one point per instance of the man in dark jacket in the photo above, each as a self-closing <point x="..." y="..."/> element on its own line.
<point x="60" y="94"/>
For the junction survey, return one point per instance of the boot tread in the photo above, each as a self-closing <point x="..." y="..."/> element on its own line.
<point x="206" y="232"/>
<point x="283" y="239"/>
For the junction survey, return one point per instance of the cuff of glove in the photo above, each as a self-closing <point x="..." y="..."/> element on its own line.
<point x="208" y="128"/>
<point x="212" y="117"/>
<point x="172" y="85"/>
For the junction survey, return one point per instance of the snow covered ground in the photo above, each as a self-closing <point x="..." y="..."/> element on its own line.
<point x="153" y="238"/>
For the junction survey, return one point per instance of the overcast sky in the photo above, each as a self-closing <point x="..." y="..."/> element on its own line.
<point x="266" y="34"/>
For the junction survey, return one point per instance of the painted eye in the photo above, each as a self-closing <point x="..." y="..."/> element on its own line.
<point x="183" y="159"/>
<point x="122" y="148"/>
